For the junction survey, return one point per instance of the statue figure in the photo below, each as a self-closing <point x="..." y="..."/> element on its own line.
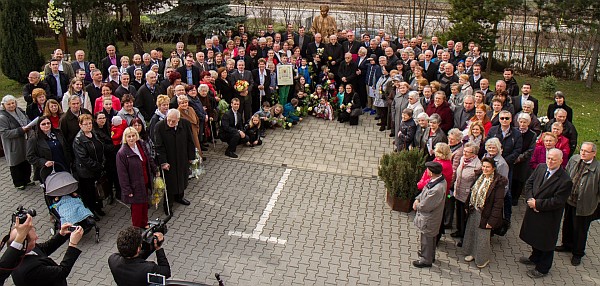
<point x="324" y="24"/>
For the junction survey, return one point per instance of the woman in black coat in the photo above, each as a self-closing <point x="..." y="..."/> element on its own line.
<point x="223" y="87"/>
<point x="521" y="169"/>
<point x="559" y="102"/>
<point x="47" y="148"/>
<point x="102" y="130"/>
<point x="36" y="108"/>
<point x="89" y="163"/>
<point x="351" y="107"/>
<point x="408" y="128"/>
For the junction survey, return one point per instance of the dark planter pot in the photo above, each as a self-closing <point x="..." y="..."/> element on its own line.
<point x="398" y="204"/>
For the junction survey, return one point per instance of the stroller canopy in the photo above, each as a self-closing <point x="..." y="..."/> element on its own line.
<point x="60" y="183"/>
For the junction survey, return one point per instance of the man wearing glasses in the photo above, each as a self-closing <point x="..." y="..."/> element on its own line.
<point x="582" y="205"/>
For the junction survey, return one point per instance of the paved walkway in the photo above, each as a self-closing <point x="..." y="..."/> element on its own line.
<point x="303" y="209"/>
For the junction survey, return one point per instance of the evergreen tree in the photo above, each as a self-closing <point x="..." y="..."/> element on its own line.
<point x="477" y="20"/>
<point x="100" y="33"/>
<point x="197" y="17"/>
<point x="19" y="53"/>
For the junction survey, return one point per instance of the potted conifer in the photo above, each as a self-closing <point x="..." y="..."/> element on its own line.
<point x="400" y="172"/>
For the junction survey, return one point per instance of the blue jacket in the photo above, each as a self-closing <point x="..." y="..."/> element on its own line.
<point x="373" y="74"/>
<point x="288" y="112"/>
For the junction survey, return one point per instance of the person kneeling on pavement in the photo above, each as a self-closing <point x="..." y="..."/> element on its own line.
<point x="129" y="266"/>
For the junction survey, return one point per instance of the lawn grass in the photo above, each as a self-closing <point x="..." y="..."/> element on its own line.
<point x="585" y="102"/>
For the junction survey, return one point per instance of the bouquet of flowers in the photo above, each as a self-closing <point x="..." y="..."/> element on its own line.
<point x="241" y="85"/>
<point x="196" y="166"/>
<point x="284" y="124"/>
<point x="543" y="121"/>
<point x="320" y="52"/>
<point x="158" y="191"/>
<point x="334" y="101"/>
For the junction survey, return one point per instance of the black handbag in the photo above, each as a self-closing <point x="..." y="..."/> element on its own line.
<point x="103" y="187"/>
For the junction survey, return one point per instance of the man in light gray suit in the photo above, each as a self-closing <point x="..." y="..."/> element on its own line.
<point x="429" y="205"/>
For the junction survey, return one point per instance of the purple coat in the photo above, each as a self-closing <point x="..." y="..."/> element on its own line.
<point x="131" y="176"/>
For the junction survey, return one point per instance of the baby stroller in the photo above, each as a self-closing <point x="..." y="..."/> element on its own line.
<point x="63" y="202"/>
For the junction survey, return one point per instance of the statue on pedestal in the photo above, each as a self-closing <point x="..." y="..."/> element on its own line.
<point x="324" y="24"/>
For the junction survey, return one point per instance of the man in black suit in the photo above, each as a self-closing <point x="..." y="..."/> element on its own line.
<point x="14" y="252"/>
<point x="347" y="70"/>
<point x="351" y="45"/>
<point x="39" y="269"/>
<point x="111" y="59"/>
<point x="302" y="40"/>
<point x="94" y="89"/>
<point x="80" y="62"/>
<point x="243" y="57"/>
<point x="57" y="82"/>
<point x="231" y="129"/>
<point x="313" y="47"/>
<point x="270" y="31"/>
<point x="34" y="82"/>
<point x="145" y="100"/>
<point x="429" y="68"/>
<point x="547" y="191"/>
<point x="129" y="266"/>
<point x="289" y="31"/>
<point x="190" y="73"/>
<point x="525" y="95"/>
<point x="200" y="62"/>
<point x="334" y="56"/>
<point x="435" y="46"/>
<point x="262" y="80"/>
<point x="476" y="77"/>
<point x="245" y="100"/>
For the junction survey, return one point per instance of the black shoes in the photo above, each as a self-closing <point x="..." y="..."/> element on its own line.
<point x="420" y="264"/>
<point x="231" y="154"/>
<point x="183" y="202"/>
<point x="562" y="248"/>
<point x="526" y="261"/>
<point x="455" y="234"/>
<point x="575" y="260"/>
<point x="203" y="148"/>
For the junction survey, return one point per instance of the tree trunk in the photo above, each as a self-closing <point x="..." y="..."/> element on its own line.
<point x="74" y="26"/>
<point x="488" y="68"/>
<point x="593" y="64"/>
<point x="537" y="41"/>
<point x="523" y="47"/>
<point x="136" y="33"/>
<point x="62" y="40"/>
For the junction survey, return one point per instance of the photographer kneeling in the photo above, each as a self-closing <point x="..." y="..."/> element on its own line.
<point x="39" y="269"/>
<point x="129" y="266"/>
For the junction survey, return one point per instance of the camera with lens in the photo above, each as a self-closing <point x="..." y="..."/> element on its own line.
<point x="22" y="213"/>
<point x="154" y="226"/>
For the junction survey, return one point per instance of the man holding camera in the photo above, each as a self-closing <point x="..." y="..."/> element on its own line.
<point x="129" y="266"/>
<point x="36" y="267"/>
<point x="14" y="252"/>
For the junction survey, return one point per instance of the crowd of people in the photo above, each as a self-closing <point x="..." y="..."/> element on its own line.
<point x="131" y="119"/>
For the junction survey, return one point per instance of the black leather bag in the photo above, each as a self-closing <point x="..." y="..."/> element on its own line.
<point x="103" y="187"/>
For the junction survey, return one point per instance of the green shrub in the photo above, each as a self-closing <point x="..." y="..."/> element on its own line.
<point x="401" y="171"/>
<point x="548" y="85"/>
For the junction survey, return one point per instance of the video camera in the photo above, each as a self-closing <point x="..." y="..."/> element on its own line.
<point x="22" y="213"/>
<point x="154" y="226"/>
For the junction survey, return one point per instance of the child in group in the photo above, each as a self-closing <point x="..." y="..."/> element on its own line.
<point x="340" y="96"/>
<point x="324" y="110"/>
<point x="252" y="130"/>
<point x="304" y="72"/>
<point x="276" y="115"/>
<point x="290" y="111"/>
<point x="322" y="77"/>
<point x="302" y="98"/>
<point x="264" y="114"/>
<point x="320" y="92"/>
<point x="118" y="126"/>
<point x="330" y="82"/>
<point x="284" y="90"/>
<point x="108" y="110"/>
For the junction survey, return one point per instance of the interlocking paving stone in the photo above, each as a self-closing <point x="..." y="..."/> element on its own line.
<point x="331" y="211"/>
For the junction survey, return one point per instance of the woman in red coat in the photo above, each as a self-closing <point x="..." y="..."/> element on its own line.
<point x="136" y="169"/>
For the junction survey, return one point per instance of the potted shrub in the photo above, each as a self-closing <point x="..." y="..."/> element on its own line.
<point x="400" y="171"/>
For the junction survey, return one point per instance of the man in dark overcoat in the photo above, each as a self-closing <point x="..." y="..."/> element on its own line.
<point x="175" y="151"/>
<point x="546" y="191"/>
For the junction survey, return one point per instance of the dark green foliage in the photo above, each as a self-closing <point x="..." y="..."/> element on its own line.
<point x="401" y="171"/>
<point x="476" y="20"/>
<point x="100" y="33"/>
<point x="19" y="53"/>
<point x="197" y="17"/>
